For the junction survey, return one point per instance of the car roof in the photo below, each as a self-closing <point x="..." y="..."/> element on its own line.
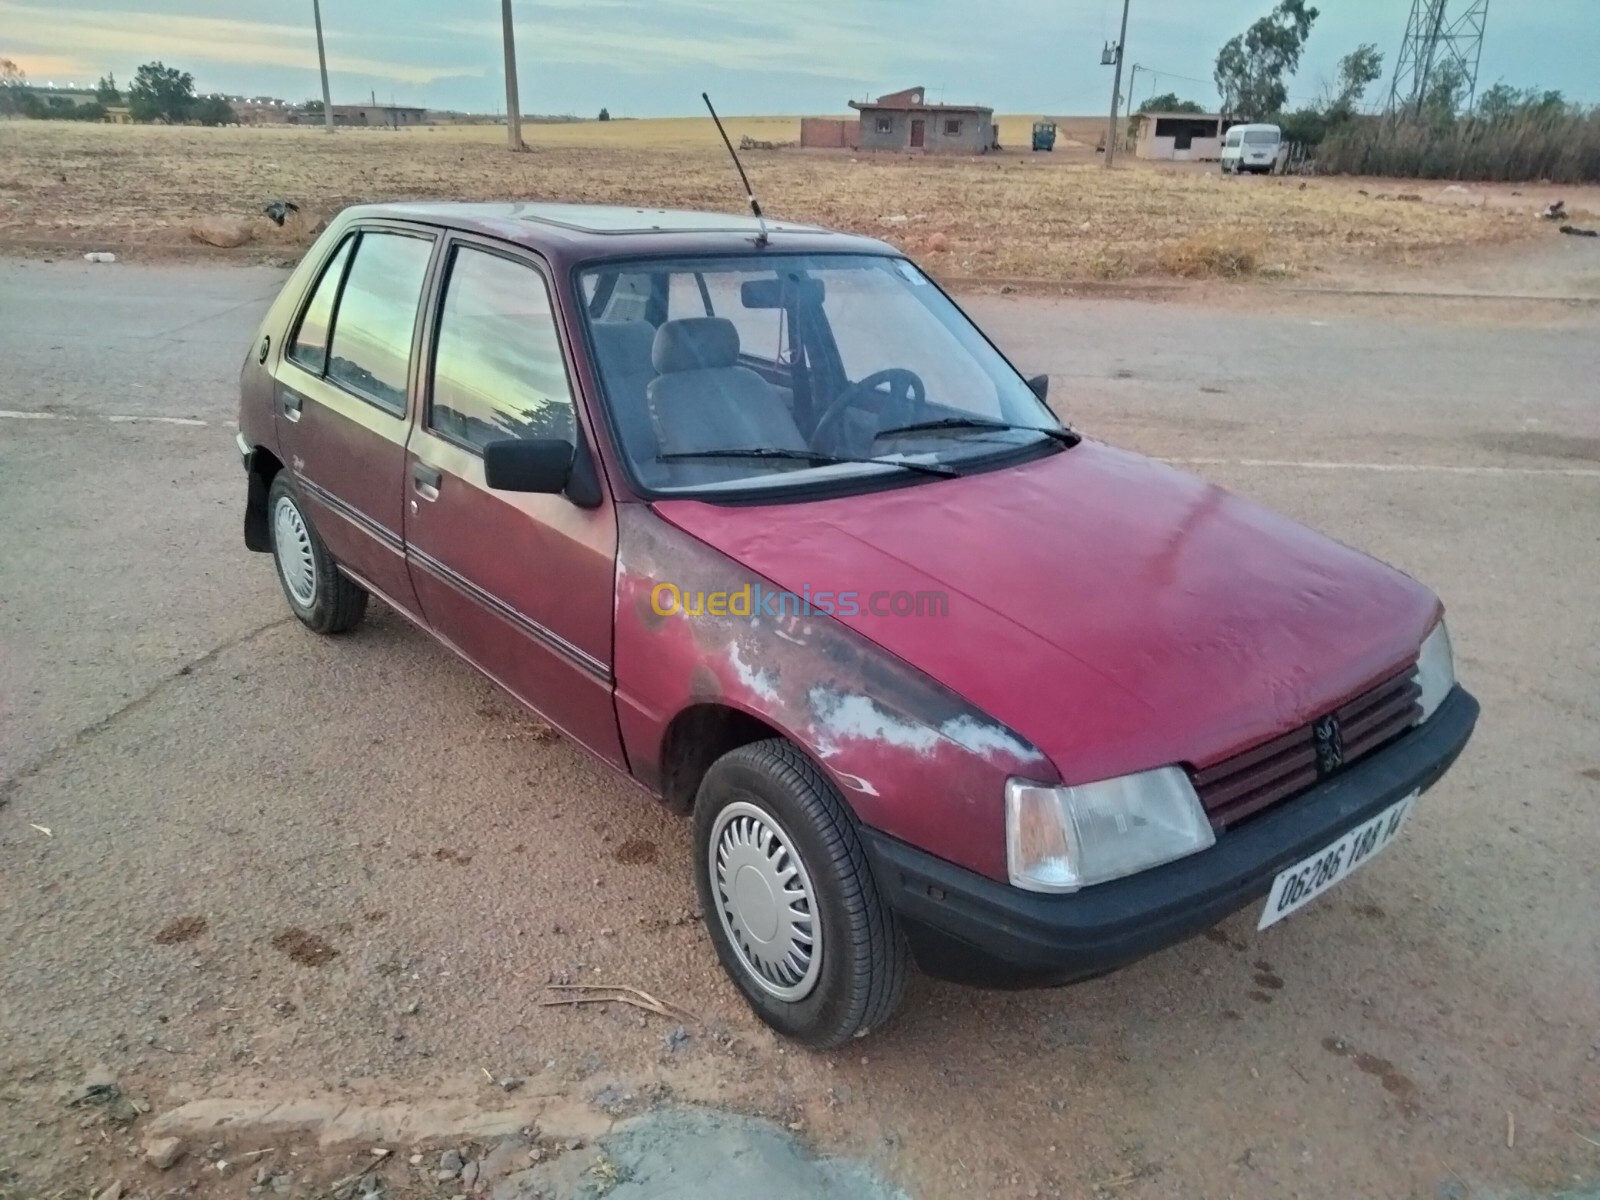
<point x="583" y="232"/>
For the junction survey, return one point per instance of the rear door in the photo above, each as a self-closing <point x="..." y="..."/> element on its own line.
<point x="522" y="585"/>
<point x="341" y="393"/>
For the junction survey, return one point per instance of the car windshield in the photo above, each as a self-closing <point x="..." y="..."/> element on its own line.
<point x="779" y="371"/>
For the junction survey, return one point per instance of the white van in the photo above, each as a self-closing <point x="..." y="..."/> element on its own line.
<point x="1251" y="148"/>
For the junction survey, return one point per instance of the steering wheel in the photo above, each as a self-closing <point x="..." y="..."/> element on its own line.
<point x="887" y="386"/>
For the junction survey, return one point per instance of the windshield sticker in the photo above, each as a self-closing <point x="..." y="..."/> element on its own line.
<point x="910" y="273"/>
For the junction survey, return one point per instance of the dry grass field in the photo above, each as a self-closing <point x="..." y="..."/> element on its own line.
<point x="1012" y="216"/>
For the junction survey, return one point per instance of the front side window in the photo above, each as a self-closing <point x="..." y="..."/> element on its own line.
<point x="786" y="370"/>
<point x="497" y="370"/>
<point x="370" y="352"/>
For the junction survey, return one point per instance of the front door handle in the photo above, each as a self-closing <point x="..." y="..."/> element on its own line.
<point x="425" y="480"/>
<point x="291" y="404"/>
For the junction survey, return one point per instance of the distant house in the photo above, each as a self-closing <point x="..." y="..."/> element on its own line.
<point x="1182" y="137"/>
<point x="263" y="110"/>
<point x="905" y="121"/>
<point x="378" y="116"/>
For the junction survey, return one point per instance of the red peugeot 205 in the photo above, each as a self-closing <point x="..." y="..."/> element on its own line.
<point x="761" y="519"/>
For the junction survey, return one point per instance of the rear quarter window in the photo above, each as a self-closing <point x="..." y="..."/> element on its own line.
<point x="309" y="346"/>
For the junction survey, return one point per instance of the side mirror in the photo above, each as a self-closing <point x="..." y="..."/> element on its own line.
<point x="532" y="465"/>
<point x="548" y="465"/>
<point x="1039" y="385"/>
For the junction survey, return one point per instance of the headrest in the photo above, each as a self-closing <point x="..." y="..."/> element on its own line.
<point x="624" y="345"/>
<point x="695" y="344"/>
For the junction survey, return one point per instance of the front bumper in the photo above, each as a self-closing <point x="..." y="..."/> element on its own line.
<point x="968" y="928"/>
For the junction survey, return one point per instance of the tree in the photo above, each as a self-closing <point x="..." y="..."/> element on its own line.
<point x="1358" y="70"/>
<point x="161" y="93"/>
<point x="312" y="106"/>
<point x="1251" y="66"/>
<point x="106" y="90"/>
<point x="213" y="110"/>
<point x="605" y="114"/>
<point x="15" y="95"/>
<point x="1447" y="88"/>
<point x="1169" y="102"/>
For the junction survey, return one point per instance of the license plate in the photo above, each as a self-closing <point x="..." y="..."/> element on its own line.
<point x="1308" y="879"/>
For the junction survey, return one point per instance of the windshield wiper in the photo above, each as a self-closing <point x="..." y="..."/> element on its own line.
<point x="812" y="457"/>
<point x="1065" y="436"/>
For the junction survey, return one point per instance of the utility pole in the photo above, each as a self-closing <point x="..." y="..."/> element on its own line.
<point x="1116" y="90"/>
<point x="513" y="105"/>
<point x="322" y="65"/>
<point x="1133" y="85"/>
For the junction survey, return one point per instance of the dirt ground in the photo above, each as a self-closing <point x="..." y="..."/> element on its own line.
<point x="1014" y="217"/>
<point x="261" y="872"/>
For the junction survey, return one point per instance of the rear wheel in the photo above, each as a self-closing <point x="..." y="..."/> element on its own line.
<point x="790" y="900"/>
<point x="325" y="600"/>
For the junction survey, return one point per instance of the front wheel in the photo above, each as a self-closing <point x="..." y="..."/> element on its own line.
<point x="325" y="600"/>
<point x="790" y="900"/>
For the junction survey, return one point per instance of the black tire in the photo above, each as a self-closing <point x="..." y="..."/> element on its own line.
<point x="863" y="959"/>
<point x="335" y="604"/>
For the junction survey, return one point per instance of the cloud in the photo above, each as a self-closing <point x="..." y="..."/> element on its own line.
<point x="209" y="39"/>
<point x="57" y="68"/>
<point x="827" y="39"/>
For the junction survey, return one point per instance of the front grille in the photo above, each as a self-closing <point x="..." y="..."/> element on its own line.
<point x="1245" y="784"/>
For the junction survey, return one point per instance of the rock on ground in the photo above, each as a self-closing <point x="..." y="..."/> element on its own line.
<point x="225" y="232"/>
<point x="162" y="1153"/>
<point x="700" y="1153"/>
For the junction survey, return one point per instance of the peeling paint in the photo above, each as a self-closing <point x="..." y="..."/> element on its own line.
<point x="842" y="717"/>
<point x="988" y="738"/>
<point x="759" y="681"/>
<point x="911" y="757"/>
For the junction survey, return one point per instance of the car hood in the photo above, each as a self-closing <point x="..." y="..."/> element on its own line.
<point x="1117" y="613"/>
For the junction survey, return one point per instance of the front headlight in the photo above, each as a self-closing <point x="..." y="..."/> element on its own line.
<point x="1059" y="839"/>
<point x="1436" y="669"/>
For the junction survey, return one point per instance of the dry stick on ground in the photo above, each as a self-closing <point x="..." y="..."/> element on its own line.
<point x="624" y="995"/>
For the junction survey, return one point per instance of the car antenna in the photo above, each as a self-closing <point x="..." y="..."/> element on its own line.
<point x="755" y="205"/>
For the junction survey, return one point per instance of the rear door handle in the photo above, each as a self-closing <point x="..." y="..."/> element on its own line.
<point x="425" y="480"/>
<point x="291" y="404"/>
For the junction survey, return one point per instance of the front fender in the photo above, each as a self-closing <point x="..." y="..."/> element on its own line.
<point x="911" y="757"/>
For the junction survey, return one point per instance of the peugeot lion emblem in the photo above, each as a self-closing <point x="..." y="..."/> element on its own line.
<point x="1330" y="744"/>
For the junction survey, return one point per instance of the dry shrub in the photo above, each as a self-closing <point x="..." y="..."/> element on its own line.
<point x="1210" y="255"/>
<point x="1561" y="145"/>
<point x="118" y="187"/>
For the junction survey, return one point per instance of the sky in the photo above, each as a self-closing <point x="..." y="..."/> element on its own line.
<point x="654" y="57"/>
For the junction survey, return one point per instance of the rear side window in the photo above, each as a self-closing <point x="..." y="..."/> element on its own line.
<point x="370" y="352"/>
<point x="497" y="369"/>
<point x="310" y="346"/>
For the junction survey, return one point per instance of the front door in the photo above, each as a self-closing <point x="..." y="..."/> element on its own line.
<point x="919" y="133"/>
<point x="520" y="584"/>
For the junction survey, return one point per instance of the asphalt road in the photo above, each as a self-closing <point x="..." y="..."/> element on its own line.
<point x="1431" y="1028"/>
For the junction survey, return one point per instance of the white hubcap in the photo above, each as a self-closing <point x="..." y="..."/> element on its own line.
<point x="765" y="902"/>
<point x="291" y="542"/>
